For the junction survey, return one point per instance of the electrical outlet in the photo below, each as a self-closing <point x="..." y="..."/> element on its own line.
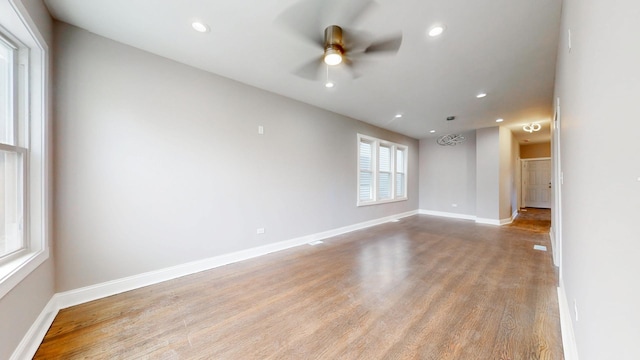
<point x="260" y="231"/>
<point x="575" y="308"/>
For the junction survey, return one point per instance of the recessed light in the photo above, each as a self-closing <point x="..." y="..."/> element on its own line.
<point x="481" y="95"/>
<point x="432" y="131"/>
<point x="199" y="27"/>
<point x="499" y="120"/>
<point x="436" y="30"/>
<point x="329" y="84"/>
<point x="398" y="116"/>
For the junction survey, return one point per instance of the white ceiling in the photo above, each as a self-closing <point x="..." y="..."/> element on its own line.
<point x="506" y="48"/>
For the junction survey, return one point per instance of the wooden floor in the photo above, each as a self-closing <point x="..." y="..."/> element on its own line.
<point x="421" y="288"/>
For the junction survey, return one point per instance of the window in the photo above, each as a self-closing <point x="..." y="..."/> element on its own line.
<point x="400" y="172"/>
<point x="365" y="182"/>
<point x="12" y="152"/>
<point x="382" y="171"/>
<point x="23" y="160"/>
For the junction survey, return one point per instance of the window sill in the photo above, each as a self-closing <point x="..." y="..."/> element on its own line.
<point x="17" y="269"/>
<point x="368" y="203"/>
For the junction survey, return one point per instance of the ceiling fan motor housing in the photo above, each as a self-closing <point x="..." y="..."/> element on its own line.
<point x="333" y="38"/>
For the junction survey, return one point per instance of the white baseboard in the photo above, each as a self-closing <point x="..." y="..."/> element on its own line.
<point x="470" y="217"/>
<point x="98" y="291"/>
<point x="509" y="220"/>
<point x="31" y="341"/>
<point x="488" y="221"/>
<point x="566" y="325"/>
<point x="447" y="214"/>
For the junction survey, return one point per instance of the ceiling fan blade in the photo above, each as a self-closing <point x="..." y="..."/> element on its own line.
<point x="355" y="40"/>
<point x="303" y="19"/>
<point x="391" y="44"/>
<point x="349" y="65"/>
<point x="357" y="11"/>
<point x="310" y="70"/>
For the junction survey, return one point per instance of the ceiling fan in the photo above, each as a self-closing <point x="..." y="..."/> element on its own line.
<point x="340" y="45"/>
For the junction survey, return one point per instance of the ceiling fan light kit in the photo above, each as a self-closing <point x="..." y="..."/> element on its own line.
<point x="333" y="49"/>
<point x="332" y="56"/>
<point x="341" y="44"/>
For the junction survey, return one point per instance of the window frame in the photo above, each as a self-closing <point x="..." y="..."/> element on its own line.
<point x="16" y="142"/>
<point x="405" y="152"/>
<point x="376" y="171"/>
<point x="31" y="133"/>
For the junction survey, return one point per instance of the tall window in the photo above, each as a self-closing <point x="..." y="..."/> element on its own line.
<point x="401" y="169"/>
<point x="365" y="183"/>
<point x="382" y="171"/>
<point x="23" y="156"/>
<point x="12" y="149"/>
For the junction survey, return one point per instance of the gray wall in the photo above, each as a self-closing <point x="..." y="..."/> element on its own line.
<point x="598" y="83"/>
<point x="508" y="186"/>
<point x="480" y="175"/>
<point x="159" y="164"/>
<point x="488" y="173"/>
<point x="448" y="176"/>
<point x="21" y="306"/>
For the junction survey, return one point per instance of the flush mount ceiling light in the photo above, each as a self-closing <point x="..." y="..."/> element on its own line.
<point x="532" y="127"/>
<point x="481" y="95"/>
<point x="499" y="120"/>
<point x="398" y="116"/>
<point x="436" y="30"/>
<point x="329" y="84"/>
<point x="432" y="131"/>
<point x="199" y="27"/>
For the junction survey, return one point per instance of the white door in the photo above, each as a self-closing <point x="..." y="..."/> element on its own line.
<point x="536" y="183"/>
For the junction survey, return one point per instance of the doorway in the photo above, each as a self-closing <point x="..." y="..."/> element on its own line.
<point x="536" y="183"/>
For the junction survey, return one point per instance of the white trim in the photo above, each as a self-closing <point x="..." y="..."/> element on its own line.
<point x="566" y="326"/>
<point x="32" y="339"/>
<point x="489" y="221"/>
<point x="36" y="200"/>
<point x="375" y="171"/>
<point x="13" y="272"/>
<point x="98" y="291"/>
<point x="556" y="211"/>
<point x="535" y="159"/>
<point x="470" y="217"/>
<point x="509" y="220"/>
<point x="447" y="214"/>
<point x="497" y="222"/>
